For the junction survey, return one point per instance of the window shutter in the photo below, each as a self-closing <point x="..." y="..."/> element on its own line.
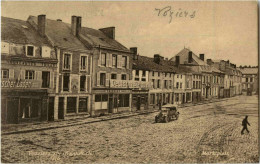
<point x="11" y="73"/>
<point x="133" y="75"/>
<point x="38" y="75"/>
<point x="127" y="62"/>
<point x="88" y="84"/>
<point x="107" y="79"/>
<point x="51" y="79"/>
<point x="119" y="61"/>
<point x="22" y="74"/>
<point x="87" y="69"/>
<point x="98" y="79"/>
<point x="146" y="75"/>
<point x="107" y="60"/>
<point x="110" y="60"/>
<point x="127" y="77"/>
<point x="99" y="59"/>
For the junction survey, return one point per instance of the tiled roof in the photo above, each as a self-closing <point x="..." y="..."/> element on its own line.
<point x="60" y="34"/>
<point x="249" y="70"/>
<point x="20" y="32"/>
<point x="97" y="37"/>
<point x="185" y="54"/>
<point x="147" y="63"/>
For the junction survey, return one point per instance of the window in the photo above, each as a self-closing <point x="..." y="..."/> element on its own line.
<point x="177" y="76"/>
<point x="103" y="59"/>
<point x="67" y="61"/>
<point x="165" y="74"/>
<point x="152" y="99"/>
<point x="153" y="83"/>
<point x="165" y="84"/>
<point x="45" y="79"/>
<point x="158" y="84"/>
<point x="180" y="85"/>
<point x="137" y="72"/>
<point x="83" y="104"/>
<point x="123" y="100"/>
<point x="113" y="76"/>
<point x="153" y="73"/>
<point x="30" y="50"/>
<point x="102" y="79"/>
<point x="181" y="76"/>
<point x="159" y="74"/>
<point x="170" y="84"/>
<point x="194" y="84"/>
<point x="177" y="85"/>
<point x="71" y="104"/>
<point x="82" y="83"/>
<point x="29" y="74"/>
<point x="143" y="74"/>
<point x="123" y="77"/>
<point x="83" y="62"/>
<point x="251" y="79"/>
<point x="114" y="61"/>
<point x="124" y="61"/>
<point x="5" y="73"/>
<point x="66" y="82"/>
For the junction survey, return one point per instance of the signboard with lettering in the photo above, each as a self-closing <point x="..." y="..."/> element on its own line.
<point x="129" y="84"/>
<point x="16" y="84"/>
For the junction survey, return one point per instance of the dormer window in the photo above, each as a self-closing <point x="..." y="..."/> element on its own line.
<point x="67" y="61"/>
<point x="30" y="50"/>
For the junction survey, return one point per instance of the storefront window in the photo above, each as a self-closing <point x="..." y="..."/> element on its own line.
<point x="71" y="104"/>
<point x="29" y="108"/>
<point x="83" y="104"/>
<point x="123" y="100"/>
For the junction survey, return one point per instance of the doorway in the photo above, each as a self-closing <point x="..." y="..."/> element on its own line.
<point x="12" y="110"/>
<point x="138" y="105"/>
<point x="110" y="103"/>
<point x="61" y="108"/>
<point x="51" y="109"/>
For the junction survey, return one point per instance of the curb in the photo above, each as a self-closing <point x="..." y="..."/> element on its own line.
<point x="99" y="120"/>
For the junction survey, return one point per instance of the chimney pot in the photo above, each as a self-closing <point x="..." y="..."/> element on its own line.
<point x="41" y="24"/>
<point x="73" y="24"/>
<point x="202" y="57"/>
<point x="134" y="51"/>
<point x="78" y="26"/>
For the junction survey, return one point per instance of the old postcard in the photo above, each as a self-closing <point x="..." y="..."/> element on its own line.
<point x="129" y="82"/>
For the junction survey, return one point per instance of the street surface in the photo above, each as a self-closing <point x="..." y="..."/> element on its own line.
<point x="203" y="133"/>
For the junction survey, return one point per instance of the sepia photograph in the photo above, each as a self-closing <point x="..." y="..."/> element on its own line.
<point x="129" y="81"/>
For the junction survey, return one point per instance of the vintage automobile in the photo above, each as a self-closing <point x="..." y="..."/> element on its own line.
<point x="169" y="112"/>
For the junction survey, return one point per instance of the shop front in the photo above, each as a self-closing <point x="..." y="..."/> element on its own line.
<point x="25" y="105"/>
<point x="110" y="101"/>
<point x="140" y="99"/>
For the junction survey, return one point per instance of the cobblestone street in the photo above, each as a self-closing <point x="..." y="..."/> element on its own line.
<point x="203" y="133"/>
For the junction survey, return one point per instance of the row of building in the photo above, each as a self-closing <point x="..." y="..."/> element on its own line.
<point x="52" y="70"/>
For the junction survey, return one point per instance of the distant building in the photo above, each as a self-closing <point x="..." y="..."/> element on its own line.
<point x="249" y="79"/>
<point x="28" y="71"/>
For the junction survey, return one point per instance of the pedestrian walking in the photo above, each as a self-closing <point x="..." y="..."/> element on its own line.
<point x="244" y="124"/>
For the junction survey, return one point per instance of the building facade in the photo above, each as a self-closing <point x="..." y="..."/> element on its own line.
<point x="28" y="70"/>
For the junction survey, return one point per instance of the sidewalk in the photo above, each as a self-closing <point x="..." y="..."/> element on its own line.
<point x="40" y="126"/>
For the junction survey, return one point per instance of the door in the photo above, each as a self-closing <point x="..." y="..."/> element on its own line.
<point x="183" y="98"/>
<point x="110" y="103"/>
<point x="45" y="79"/>
<point x="61" y="108"/>
<point x="138" y="103"/>
<point x="51" y="109"/>
<point x="12" y="110"/>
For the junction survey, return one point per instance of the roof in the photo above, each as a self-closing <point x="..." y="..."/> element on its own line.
<point x="148" y="64"/>
<point x="60" y="34"/>
<point x="20" y="32"/>
<point x="97" y="37"/>
<point x="249" y="70"/>
<point x="185" y="54"/>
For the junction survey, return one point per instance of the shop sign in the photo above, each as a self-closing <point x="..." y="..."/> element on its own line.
<point x="16" y="84"/>
<point x="129" y="84"/>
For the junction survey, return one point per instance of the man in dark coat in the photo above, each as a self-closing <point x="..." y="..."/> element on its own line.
<point x="244" y="124"/>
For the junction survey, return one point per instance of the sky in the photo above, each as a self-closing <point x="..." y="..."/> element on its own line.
<point x="220" y="30"/>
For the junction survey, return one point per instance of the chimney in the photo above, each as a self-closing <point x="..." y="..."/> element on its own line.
<point x="190" y="57"/>
<point x="157" y="58"/>
<point x="109" y="32"/>
<point x="177" y="61"/>
<point x="59" y="20"/>
<point x="78" y="25"/>
<point x="202" y="57"/>
<point x="209" y="61"/>
<point x="74" y="25"/>
<point x="41" y="24"/>
<point x="134" y="51"/>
